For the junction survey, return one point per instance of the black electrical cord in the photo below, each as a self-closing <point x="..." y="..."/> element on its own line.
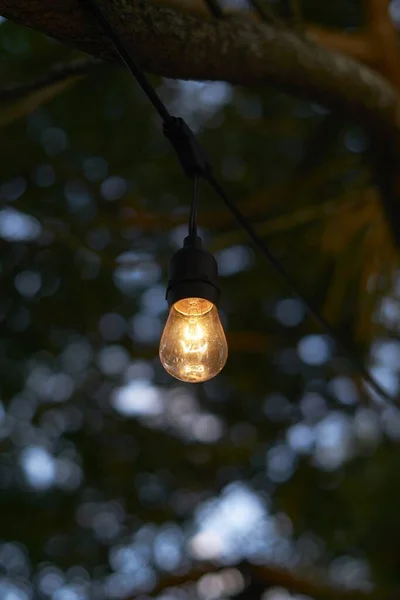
<point x="290" y="283"/>
<point x="194" y="208"/>
<point x="259" y="9"/>
<point x="195" y="164"/>
<point x="128" y="60"/>
<point x="214" y="9"/>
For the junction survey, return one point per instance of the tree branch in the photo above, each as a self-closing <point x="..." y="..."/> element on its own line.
<point x="383" y="36"/>
<point x="56" y="74"/>
<point x="234" y="50"/>
<point x="275" y="576"/>
<point x="354" y="44"/>
<point x="19" y="99"/>
<point x="288" y="222"/>
<point x="313" y="587"/>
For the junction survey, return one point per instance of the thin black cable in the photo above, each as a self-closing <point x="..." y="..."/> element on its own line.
<point x="290" y="283"/>
<point x="195" y="164"/>
<point x="194" y="208"/>
<point x="259" y="10"/>
<point x="266" y="14"/>
<point x="215" y="9"/>
<point x="129" y="62"/>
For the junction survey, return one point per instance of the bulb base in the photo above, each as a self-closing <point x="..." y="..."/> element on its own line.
<point x="193" y="273"/>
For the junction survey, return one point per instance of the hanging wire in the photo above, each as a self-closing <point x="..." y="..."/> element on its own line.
<point x="194" y="208"/>
<point x="215" y="9"/>
<point x="185" y="143"/>
<point x="290" y="283"/>
<point x="128" y="61"/>
<point x="266" y="13"/>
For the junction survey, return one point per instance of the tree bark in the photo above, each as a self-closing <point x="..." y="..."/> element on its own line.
<point x="354" y="44"/>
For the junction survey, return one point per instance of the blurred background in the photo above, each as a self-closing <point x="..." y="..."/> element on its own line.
<point x="277" y="480"/>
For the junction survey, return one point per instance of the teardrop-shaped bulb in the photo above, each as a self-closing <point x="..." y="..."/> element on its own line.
<point x="193" y="345"/>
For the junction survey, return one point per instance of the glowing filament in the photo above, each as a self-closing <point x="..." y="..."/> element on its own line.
<point x="193" y="345"/>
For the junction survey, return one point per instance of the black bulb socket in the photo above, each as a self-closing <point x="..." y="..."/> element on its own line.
<point x="193" y="273"/>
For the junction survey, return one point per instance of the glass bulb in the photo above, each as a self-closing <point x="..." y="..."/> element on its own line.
<point x="193" y="345"/>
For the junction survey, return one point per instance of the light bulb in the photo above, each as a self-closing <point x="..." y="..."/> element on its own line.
<point x="193" y="346"/>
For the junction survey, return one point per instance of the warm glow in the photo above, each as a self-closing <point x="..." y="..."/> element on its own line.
<point x="193" y="346"/>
